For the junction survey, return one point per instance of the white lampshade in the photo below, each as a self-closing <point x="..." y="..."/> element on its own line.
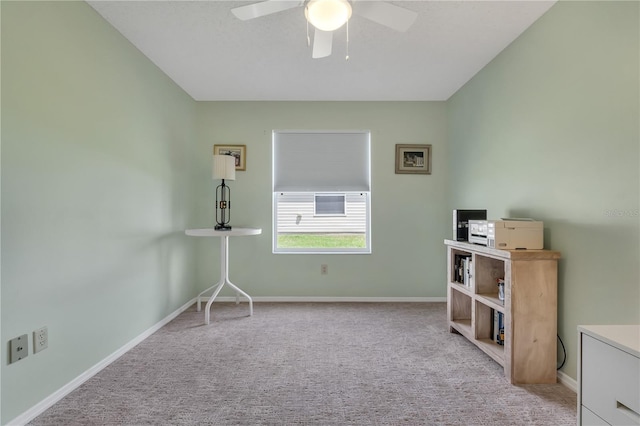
<point x="328" y="15"/>
<point x="224" y="167"/>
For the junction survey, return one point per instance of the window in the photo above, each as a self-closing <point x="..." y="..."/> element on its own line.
<point x="330" y="205"/>
<point x="321" y="192"/>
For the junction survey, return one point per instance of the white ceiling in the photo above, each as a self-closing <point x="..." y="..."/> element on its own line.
<point x="213" y="55"/>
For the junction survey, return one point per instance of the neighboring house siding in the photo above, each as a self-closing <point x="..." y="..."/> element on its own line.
<point x="296" y="215"/>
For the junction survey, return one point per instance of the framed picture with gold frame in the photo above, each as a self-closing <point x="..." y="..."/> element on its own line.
<point x="413" y="159"/>
<point x="237" y="151"/>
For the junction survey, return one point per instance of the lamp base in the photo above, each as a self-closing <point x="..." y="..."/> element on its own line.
<point x="222" y="227"/>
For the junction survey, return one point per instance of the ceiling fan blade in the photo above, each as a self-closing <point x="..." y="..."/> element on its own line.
<point x="267" y="7"/>
<point x="322" y="43"/>
<point x="389" y="15"/>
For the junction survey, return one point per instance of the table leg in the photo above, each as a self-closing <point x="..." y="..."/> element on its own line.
<point x="230" y="284"/>
<point x="211" y="299"/>
<point x="224" y="279"/>
<point x="205" y="291"/>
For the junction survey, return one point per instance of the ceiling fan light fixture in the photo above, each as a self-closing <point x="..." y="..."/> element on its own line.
<point x="327" y="15"/>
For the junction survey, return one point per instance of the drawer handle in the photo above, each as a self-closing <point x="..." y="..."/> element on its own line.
<point x="628" y="412"/>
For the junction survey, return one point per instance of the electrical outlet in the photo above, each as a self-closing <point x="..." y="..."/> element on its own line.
<point x="40" y="339"/>
<point x="324" y="269"/>
<point x="19" y="348"/>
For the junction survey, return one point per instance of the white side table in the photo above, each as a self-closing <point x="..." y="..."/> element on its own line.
<point x="224" y="263"/>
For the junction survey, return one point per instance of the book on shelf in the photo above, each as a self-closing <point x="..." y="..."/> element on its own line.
<point x="457" y="268"/>
<point x="468" y="268"/>
<point x="498" y="327"/>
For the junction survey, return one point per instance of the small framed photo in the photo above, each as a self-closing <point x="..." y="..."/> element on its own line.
<point x="413" y="159"/>
<point x="238" y="151"/>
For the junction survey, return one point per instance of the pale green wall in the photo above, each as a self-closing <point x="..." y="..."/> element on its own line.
<point x="549" y="130"/>
<point x="97" y="145"/>
<point x="105" y="162"/>
<point x="408" y="211"/>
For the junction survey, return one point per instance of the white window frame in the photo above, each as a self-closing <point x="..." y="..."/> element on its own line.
<point x="361" y="185"/>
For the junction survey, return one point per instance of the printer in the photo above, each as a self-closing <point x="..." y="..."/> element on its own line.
<point x="507" y="234"/>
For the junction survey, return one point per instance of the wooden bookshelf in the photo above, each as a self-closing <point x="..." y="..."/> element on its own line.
<point x="530" y="305"/>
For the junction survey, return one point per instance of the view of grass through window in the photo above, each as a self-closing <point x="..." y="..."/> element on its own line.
<point x="321" y="240"/>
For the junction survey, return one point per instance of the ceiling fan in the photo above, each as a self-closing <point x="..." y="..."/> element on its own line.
<point x="329" y="15"/>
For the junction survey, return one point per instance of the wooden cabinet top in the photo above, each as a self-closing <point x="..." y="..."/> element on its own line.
<point x="506" y="254"/>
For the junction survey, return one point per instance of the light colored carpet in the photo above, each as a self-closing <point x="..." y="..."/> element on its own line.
<point x="310" y="364"/>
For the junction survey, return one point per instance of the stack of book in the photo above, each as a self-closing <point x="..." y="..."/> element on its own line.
<point x="462" y="269"/>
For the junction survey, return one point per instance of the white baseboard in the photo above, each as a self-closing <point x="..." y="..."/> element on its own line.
<point x="43" y="405"/>
<point x="309" y="299"/>
<point x="567" y="381"/>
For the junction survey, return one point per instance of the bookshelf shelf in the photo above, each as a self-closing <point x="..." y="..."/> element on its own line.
<point x="463" y="327"/>
<point x="492" y="349"/>
<point x="529" y="310"/>
<point x="461" y="288"/>
<point x="492" y="301"/>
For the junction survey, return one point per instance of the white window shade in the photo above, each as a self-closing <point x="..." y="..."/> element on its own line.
<point x="321" y="161"/>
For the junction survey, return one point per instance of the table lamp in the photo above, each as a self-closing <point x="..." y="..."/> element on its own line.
<point x="224" y="167"/>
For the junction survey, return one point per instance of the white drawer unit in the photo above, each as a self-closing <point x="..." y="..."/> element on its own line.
<point x="609" y="375"/>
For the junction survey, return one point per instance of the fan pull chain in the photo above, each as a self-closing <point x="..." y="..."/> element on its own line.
<point x="347" y="57"/>
<point x="308" y="39"/>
